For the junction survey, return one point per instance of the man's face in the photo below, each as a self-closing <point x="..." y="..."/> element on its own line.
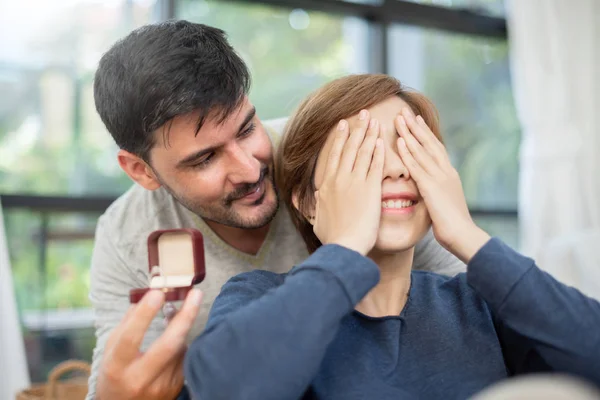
<point x="224" y="173"/>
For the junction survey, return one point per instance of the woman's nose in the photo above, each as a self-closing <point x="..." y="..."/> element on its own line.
<point x="393" y="167"/>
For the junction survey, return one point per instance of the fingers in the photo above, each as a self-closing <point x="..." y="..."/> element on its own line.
<point x="417" y="152"/>
<point x="419" y="129"/>
<point x="177" y="376"/>
<point x="177" y="379"/>
<point x="341" y="135"/>
<point x="166" y="385"/>
<point x="409" y="161"/>
<point x="365" y="155"/>
<point x="171" y="342"/>
<point x="134" y="327"/>
<point x="377" y="163"/>
<point x="354" y="142"/>
<point x="116" y="332"/>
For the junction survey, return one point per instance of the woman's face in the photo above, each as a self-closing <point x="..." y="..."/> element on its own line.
<point x="404" y="217"/>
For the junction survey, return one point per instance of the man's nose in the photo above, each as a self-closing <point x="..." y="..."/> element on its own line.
<point x="244" y="167"/>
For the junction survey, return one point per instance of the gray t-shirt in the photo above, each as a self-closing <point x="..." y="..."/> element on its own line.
<point x="120" y="259"/>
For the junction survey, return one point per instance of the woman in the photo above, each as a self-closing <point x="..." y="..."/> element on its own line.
<point x="353" y="320"/>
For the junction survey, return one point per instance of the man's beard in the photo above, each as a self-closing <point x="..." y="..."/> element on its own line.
<point x="224" y="213"/>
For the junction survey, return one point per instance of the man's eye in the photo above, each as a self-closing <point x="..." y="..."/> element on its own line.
<point x="248" y="130"/>
<point x="204" y="162"/>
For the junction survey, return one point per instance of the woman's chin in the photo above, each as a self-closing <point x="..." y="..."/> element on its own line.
<point x="393" y="246"/>
<point x="394" y="240"/>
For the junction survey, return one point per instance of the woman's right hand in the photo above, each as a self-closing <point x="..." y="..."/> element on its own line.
<point x="348" y="202"/>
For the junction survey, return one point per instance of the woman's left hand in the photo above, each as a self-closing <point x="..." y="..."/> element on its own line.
<point x="440" y="186"/>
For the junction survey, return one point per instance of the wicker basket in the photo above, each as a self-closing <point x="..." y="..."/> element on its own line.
<point x="71" y="389"/>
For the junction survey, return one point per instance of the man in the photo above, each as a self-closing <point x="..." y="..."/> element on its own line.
<point x="174" y="98"/>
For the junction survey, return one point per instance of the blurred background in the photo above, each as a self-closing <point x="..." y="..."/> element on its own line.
<point x="58" y="170"/>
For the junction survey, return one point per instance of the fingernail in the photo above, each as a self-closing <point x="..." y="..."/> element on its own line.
<point x="373" y="124"/>
<point x="342" y="125"/>
<point x="402" y="142"/>
<point x="155" y="298"/>
<point x="196" y="296"/>
<point x="362" y="115"/>
<point x="420" y="119"/>
<point x="407" y="111"/>
<point x="401" y="120"/>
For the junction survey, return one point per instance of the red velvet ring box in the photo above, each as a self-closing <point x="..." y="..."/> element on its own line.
<point x="176" y="263"/>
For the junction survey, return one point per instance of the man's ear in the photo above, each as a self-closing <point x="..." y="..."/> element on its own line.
<point x="138" y="170"/>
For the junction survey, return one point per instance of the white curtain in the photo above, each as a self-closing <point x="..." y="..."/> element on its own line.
<point x="555" y="62"/>
<point x="14" y="375"/>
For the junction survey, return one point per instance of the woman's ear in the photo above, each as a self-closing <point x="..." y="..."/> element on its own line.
<point x="310" y="215"/>
<point x="295" y="200"/>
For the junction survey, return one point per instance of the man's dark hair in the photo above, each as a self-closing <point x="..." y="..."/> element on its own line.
<point x="160" y="71"/>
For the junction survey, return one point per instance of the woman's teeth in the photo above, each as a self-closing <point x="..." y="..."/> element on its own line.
<point x="397" y="203"/>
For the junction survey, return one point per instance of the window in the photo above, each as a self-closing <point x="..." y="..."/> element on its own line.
<point x="290" y="52"/>
<point x="490" y="7"/>
<point x="51" y="138"/>
<point x="50" y="256"/>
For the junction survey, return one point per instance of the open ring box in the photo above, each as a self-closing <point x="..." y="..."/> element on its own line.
<point x="176" y="264"/>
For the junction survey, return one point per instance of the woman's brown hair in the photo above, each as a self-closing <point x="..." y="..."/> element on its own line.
<point x="307" y="130"/>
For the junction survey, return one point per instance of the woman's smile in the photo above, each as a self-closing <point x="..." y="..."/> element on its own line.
<point x="399" y="203"/>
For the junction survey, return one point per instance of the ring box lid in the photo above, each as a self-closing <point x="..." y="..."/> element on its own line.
<point x="175" y="261"/>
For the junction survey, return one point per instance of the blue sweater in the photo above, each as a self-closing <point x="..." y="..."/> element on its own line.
<point x="297" y="336"/>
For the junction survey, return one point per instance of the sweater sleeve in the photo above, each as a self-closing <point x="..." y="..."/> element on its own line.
<point x="541" y="321"/>
<point x="267" y="335"/>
